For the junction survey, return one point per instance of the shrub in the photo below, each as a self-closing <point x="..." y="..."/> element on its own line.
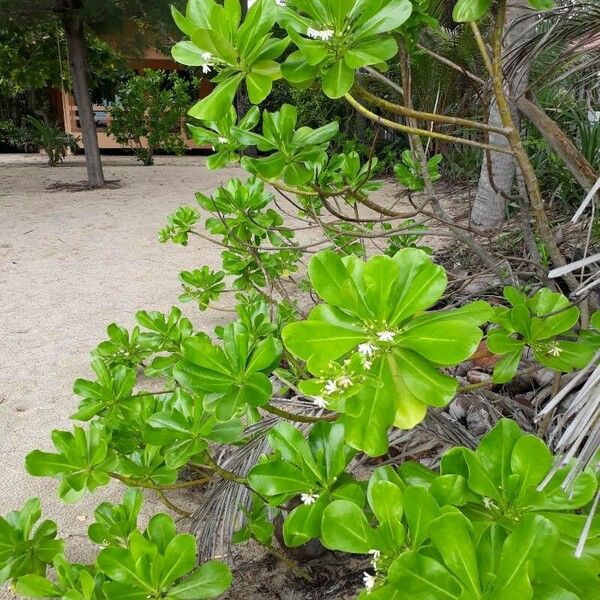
<point x="14" y="138"/>
<point x="52" y="139"/>
<point x="354" y="344"/>
<point x="149" y="114"/>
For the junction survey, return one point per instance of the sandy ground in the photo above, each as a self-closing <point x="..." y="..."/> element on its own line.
<point x="70" y="264"/>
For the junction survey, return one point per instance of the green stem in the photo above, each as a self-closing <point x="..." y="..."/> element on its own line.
<point x="156" y="487"/>
<point x="292" y="566"/>
<point x="284" y="414"/>
<point x="420" y="132"/>
<point x="405" y="111"/>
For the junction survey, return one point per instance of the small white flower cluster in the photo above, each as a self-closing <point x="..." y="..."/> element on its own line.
<point x="376" y="554"/>
<point x="367" y="349"/>
<point x="324" y="35"/>
<point x="280" y="3"/>
<point x="386" y="336"/>
<point x="223" y="140"/>
<point x="207" y="57"/>
<point x="369" y="581"/>
<point x="554" y="350"/>
<point x="309" y="499"/>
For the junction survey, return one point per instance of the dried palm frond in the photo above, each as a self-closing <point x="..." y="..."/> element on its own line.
<point x="225" y="503"/>
<point x="576" y="435"/>
<point x="566" y="44"/>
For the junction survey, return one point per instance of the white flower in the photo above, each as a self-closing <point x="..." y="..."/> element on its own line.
<point x="319" y="401"/>
<point x="386" y="336"/>
<point x="223" y="140"/>
<point x="207" y="57"/>
<point x="331" y="387"/>
<point x="555" y="350"/>
<point x="367" y="364"/>
<point x="309" y="499"/>
<point x="376" y="555"/>
<point x="367" y="349"/>
<point x="324" y="35"/>
<point x="280" y="3"/>
<point x="369" y="580"/>
<point x="345" y="382"/>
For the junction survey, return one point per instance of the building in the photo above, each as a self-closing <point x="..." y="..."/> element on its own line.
<point x="66" y="106"/>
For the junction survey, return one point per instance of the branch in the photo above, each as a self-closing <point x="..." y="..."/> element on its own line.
<point x="419" y="132"/>
<point x="404" y="111"/>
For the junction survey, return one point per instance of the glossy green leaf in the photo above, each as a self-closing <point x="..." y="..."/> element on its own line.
<point x="470" y="10"/>
<point x="346" y="528"/>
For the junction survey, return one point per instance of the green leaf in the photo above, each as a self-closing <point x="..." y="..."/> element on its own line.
<point x="180" y="558"/>
<point x="338" y="79"/>
<point x="216" y="105"/>
<point x="36" y="586"/>
<point x="495" y="452"/>
<point x="368" y="431"/>
<point x="507" y="366"/>
<point x="420" y="509"/>
<point x="188" y="54"/>
<point x="259" y="86"/>
<point x="346" y="528"/>
<point x="277" y="477"/>
<point x="421" y="577"/>
<point x="371" y="53"/>
<point x="331" y="280"/>
<point x="451" y="534"/>
<point x="534" y="539"/>
<point x="542" y="4"/>
<point x="304" y="523"/>
<point x="209" y="581"/>
<point x="531" y="459"/>
<point x="470" y="10"/>
<point x="420" y="286"/>
<point x="305" y="338"/>
<point x="388" y="18"/>
<point x="442" y="342"/>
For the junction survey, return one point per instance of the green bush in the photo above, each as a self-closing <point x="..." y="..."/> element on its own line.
<point x="14" y="138"/>
<point x="52" y="139"/>
<point x="149" y="113"/>
<point x="351" y="341"/>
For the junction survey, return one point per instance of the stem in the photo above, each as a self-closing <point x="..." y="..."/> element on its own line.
<point x="404" y="111"/>
<point x="518" y="150"/>
<point x="363" y="110"/>
<point x="438" y="210"/>
<point x="170" y="505"/>
<point x="284" y="414"/>
<point x="292" y="566"/>
<point x="156" y="487"/>
<point x="229" y="475"/>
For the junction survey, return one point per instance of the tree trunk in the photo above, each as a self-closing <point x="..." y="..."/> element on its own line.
<point x="75" y="37"/>
<point x="489" y="208"/>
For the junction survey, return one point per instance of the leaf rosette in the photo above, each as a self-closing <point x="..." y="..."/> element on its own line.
<point x="375" y="352"/>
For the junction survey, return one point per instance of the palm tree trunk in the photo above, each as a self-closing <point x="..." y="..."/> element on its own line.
<point x="75" y="37"/>
<point x="489" y="208"/>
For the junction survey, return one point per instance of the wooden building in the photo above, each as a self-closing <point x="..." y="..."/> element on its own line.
<point x="66" y="106"/>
